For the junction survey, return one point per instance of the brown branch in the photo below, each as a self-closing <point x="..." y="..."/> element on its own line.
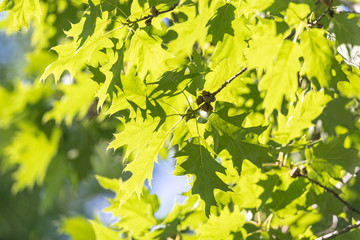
<point x="330" y="191"/>
<point x="316" y="22"/>
<point x="154" y="13"/>
<point x="338" y="232"/>
<point x="292" y="33"/>
<point x="229" y="81"/>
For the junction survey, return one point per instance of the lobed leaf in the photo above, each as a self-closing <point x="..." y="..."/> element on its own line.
<point x="203" y="166"/>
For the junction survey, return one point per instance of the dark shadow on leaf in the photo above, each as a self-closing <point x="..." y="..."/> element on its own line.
<point x="282" y="198"/>
<point x="168" y="84"/>
<point x="90" y="23"/>
<point x="220" y="24"/>
<point x="156" y="111"/>
<point x="268" y="186"/>
<point x="337" y="114"/>
<point x="98" y="76"/>
<point x="229" y="134"/>
<point x="170" y="36"/>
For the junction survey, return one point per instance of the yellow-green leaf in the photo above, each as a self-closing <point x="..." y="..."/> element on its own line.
<point x="22" y="10"/>
<point x="76" y="100"/>
<point x="33" y="151"/>
<point x="318" y="56"/>
<point x="282" y="79"/>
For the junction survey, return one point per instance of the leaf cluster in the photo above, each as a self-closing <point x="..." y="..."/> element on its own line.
<point x="286" y="98"/>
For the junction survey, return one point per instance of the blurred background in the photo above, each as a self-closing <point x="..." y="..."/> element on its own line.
<point x="52" y="144"/>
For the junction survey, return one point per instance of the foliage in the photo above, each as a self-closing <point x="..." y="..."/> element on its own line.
<point x="271" y="154"/>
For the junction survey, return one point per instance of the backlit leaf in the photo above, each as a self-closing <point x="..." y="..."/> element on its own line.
<point x="231" y="136"/>
<point x="22" y="10"/>
<point x="230" y="221"/>
<point x="33" y="151"/>
<point x="318" y="57"/>
<point x="74" y="55"/>
<point x="144" y="140"/>
<point x="204" y="167"/>
<point x="220" y="23"/>
<point x="301" y="116"/>
<point x="281" y="80"/>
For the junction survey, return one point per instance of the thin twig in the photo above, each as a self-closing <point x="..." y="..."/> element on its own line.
<point x="338" y="232"/>
<point x="311" y="24"/>
<point x="151" y="16"/>
<point x="290" y="35"/>
<point x="332" y="192"/>
<point x="229" y="81"/>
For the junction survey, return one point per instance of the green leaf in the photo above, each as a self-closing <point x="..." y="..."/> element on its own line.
<point x="281" y="80"/>
<point x="78" y="228"/>
<point x="112" y="71"/>
<point x="300" y="116"/>
<point x="191" y="31"/>
<point x="74" y="55"/>
<point x="232" y="46"/>
<point x="33" y="151"/>
<point x="133" y="221"/>
<point x="144" y="49"/>
<point x="296" y="14"/>
<point x="23" y="11"/>
<point x="318" y="57"/>
<point x="24" y="95"/>
<point x="240" y="142"/>
<point x="104" y="233"/>
<point x="265" y="43"/>
<point x="260" y="5"/>
<point x="335" y="153"/>
<point x="144" y="139"/>
<point x="246" y="193"/>
<point x="230" y="222"/>
<point x="350" y="191"/>
<point x="282" y="198"/>
<point x="222" y="72"/>
<point x="111" y="184"/>
<point x="203" y="166"/>
<point x="76" y="100"/>
<point x="170" y="84"/>
<point x="136" y="223"/>
<point x="346" y="29"/>
<point x="133" y="91"/>
<point x="220" y="23"/>
<point x="352" y="87"/>
<point x="336" y="113"/>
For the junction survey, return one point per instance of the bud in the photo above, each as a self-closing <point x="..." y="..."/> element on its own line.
<point x="148" y="22"/>
<point x="154" y="11"/>
<point x="205" y="93"/>
<point x="207" y="99"/>
<point x="199" y="100"/>
<point x="295" y="172"/>
<point x="204" y="107"/>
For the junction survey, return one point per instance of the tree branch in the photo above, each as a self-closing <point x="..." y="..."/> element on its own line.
<point x="316" y="22"/>
<point x="229" y="81"/>
<point x="292" y="33"/>
<point x="154" y="13"/>
<point x="338" y="232"/>
<point x="330" y="191"/>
